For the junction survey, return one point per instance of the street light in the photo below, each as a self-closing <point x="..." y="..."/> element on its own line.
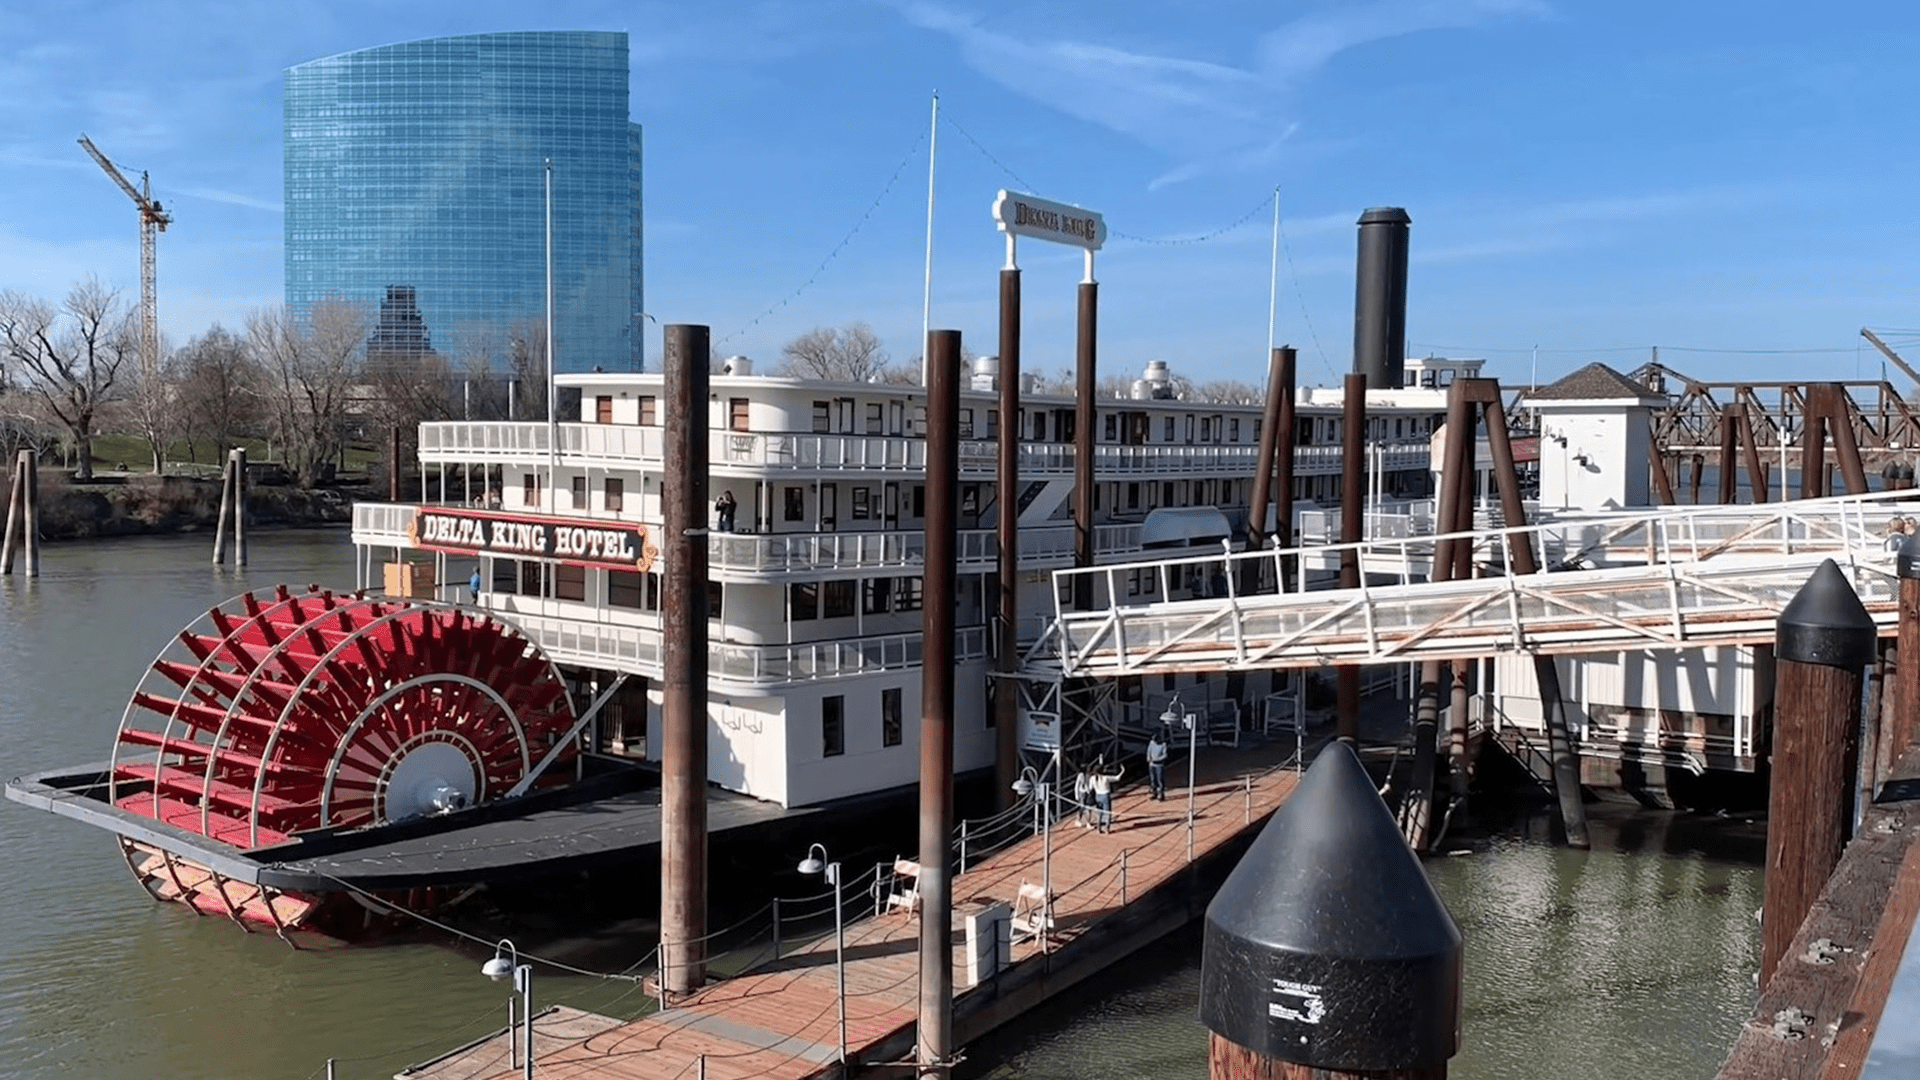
<point x="1193" y="743"/>
<point x="499" y="968"/>
<point x="812" y="865"/>
<point x="1031" y="783"/>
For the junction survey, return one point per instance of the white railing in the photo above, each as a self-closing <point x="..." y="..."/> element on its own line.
<point x="626" y="445"/>
<point x="785" y="554"/>
<point x="584" y="642"/>
<point x="1667" y="579"/>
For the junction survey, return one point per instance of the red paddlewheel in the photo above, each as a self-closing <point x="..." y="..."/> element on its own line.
<point x="281" y="713"/>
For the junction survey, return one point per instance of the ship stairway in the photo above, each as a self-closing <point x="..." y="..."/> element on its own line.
<point x="1674" y="578"/>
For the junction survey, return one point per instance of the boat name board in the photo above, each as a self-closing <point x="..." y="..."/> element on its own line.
<point x="605" y="544"/>
<point x="1043" y="219"/>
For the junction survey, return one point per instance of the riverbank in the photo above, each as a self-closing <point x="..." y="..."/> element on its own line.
<point x="146" y="505"/>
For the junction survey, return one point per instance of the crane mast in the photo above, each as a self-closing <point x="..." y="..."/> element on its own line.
<point x="153" y="219"/>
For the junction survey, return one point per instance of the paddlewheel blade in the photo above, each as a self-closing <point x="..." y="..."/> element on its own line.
<point x="282" y="712"/>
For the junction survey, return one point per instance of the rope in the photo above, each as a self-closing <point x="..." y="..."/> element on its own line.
<point x="1300" y="295"/>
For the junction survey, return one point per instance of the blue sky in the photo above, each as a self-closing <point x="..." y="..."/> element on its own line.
<point x="1592" y="178"/>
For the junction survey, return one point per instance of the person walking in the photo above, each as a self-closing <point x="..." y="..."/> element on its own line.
<point x="1157" y="765"/>
<point x="1101" y="782"/>
<point x="724" y="506"/>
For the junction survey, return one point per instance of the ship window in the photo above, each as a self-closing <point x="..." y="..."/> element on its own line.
<point x="890" y="716"/>
<point x="919" y="500"/>
<point x="1150" y="582"/>
<point x="603" y="409"/>
<point x="715" y="595"/>
<point x="1206" y="429"/>
<point x="1166" y="493"/>
<point x="993" y="423"/>
<point x="1133" y="496"/>
<point x="1039" y="426"/>
<point x="616" y="494"/>
<point x="570" y="582"/>
<point x="1256" y="431"/>
<point x="1189" y="427"/>
<point x="530" y="490"/>
<point x="879" y="594"/>
<point x="796" y="504"/>
<point x="647" y="418"/>
<point x="803" y="601"/>
<point x="506" y="576"/>
<point x="970" y="498"/>
<point x="966" y="423"/>
<point x="907" y="594"/>
<point x="862" y="499"/>
<point x="1169" y="437"/>
<point x="1233" y="430"/>
<point x="836" y="600"/>
<point x="1113" y="427"/>
<point x="737" y="414"/>
<point x="822" y="416"/>
<point x="876" y="417"/>
<point x="624" y="589"/>
<point x="833" y="726"/>
<point x="579" y="493"/>
<point x="530" y="578"/>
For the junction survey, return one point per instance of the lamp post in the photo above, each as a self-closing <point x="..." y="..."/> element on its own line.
<point x="1031" y="783"/>
<point x="820" y="865"/>
<point x="499" y="968"/>
<point x="1182" y="716"/>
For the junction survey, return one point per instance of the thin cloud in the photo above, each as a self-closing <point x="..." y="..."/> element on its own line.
<point x="1198" y="112"/>
<point x="231" y="198"/>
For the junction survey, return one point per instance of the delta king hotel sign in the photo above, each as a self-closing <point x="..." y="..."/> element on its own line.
<point x="1040" y="219"/>
<point x="608" y="544"/>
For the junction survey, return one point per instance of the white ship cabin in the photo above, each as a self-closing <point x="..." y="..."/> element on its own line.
<point x="815" y="589"/>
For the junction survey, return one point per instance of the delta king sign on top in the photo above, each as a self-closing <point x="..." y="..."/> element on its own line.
<point x="1024" y="215"/>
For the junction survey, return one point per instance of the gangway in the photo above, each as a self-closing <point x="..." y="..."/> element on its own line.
<point x="1665" y="579"/>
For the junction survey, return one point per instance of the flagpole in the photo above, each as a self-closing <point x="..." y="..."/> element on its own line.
<point x="926" y="298"/>
<point x="553" y="404"/>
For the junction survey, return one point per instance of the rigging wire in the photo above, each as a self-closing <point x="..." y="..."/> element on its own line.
<point x="912" y="152"/>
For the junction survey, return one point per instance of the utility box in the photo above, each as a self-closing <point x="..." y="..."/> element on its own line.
<point x="413" y="580"/>
<point x="989" y="942"/>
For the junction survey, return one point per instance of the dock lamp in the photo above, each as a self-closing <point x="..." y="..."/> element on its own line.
<point x="819" y="865"/>
<point x="1176" y="714"/>
<point x="1031" y="783"/>
<point x="501" y="967"/>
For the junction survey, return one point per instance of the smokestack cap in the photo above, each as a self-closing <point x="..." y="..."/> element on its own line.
<point x="1385" y="215"/>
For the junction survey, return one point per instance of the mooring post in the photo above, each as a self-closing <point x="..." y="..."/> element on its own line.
<point x="1823" y="641"/>
<point x="934" y="1050"/>
<point x="30" y="518"/>
<point x="1006" y="689"/>
<point x="226" y="511"/>
<point x="1260" y="500"/>
<point x="1546" y="671"/>
<point x="683" y="714"/>
<point x="1813" y="443"/>
<point x="1084" y="387"/>
<point x="1353" y="451"/>
<point x="1906" y="658"/>
<point x="239" y="506"/>
<point x="1283" y="454"/>
<point x="1729" y="475"/>
<point x="1750" y="452"/>
<point x="16" y="509"/>
<point x="1288" y="992"/>
<point x="393" y="463"/>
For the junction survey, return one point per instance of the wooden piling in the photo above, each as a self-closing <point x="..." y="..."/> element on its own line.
<point x="683" y="713"/>
<point x="1261" y="498"/>
<point x="393" y="463"/>
<point x="239" y="455"/>
<point x="1006" y="696"/>
<point x="1283" y="454"/>
<point x="225" y="513"/>
<point x="1906" y="667"/>
<point x="16" y="511"/>
<point x="1729" y="447"/>
<point x="1353" y="451"/>
<point x="1416" y="809"/>
<point x="30" y="514"/>
<point x="1846" y="448"/>
<point x="934" y="1042"/>
<point x="1823" y="641"/>
<point x="1084" y="387"/>
<point x="1750" y="450"/>
<point x="1546" y="671"/>
<point x="1662" y="482"/>
<point x="1699" y="463"/>
<point x="1813" y="443"/>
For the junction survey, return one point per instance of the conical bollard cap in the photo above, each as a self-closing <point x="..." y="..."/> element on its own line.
<point x="1825" y="623"/>
<point x="1327" y="945"/>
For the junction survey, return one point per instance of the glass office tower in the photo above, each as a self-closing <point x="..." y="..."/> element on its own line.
<point x="416" y="171"/>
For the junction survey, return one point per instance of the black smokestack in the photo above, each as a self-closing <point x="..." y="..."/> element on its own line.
<point x="1380" y="297"/>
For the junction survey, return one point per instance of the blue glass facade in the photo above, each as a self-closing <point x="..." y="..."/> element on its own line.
<point x="420" y="165"/>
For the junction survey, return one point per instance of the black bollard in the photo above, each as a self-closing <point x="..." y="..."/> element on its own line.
<point x="1823" y="641"/>
<point x="1327" y="952"/>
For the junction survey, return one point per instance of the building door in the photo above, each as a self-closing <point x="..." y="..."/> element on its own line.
<point x="829" y="499"/>
<point x="892" y="508"/>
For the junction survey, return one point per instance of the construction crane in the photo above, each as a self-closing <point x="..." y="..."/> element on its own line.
<point x="153" y="219"/>
<point x="1887" y="351"/>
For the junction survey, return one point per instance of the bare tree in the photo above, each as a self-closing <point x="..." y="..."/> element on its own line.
<point x="219" y="389"/>
<point x="405" y="390"/>
<point x="151" y="405"/>
<point x="1227" y="392"/>
<point x="68" y="358"/>
<point x="852" y="353"/>
<point x="527" y="367"/>
<point x="307" y="379"/>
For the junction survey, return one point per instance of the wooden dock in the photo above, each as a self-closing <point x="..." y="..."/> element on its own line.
<point x="1114" y="892"/>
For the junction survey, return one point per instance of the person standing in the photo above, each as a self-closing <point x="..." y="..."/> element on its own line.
<point x="1157" y="765"/>
<point x="725" y="506"/>
<point x="473" y="587"/>
<point x="1082" y="793"/>
<point x="1101" y="781"/>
